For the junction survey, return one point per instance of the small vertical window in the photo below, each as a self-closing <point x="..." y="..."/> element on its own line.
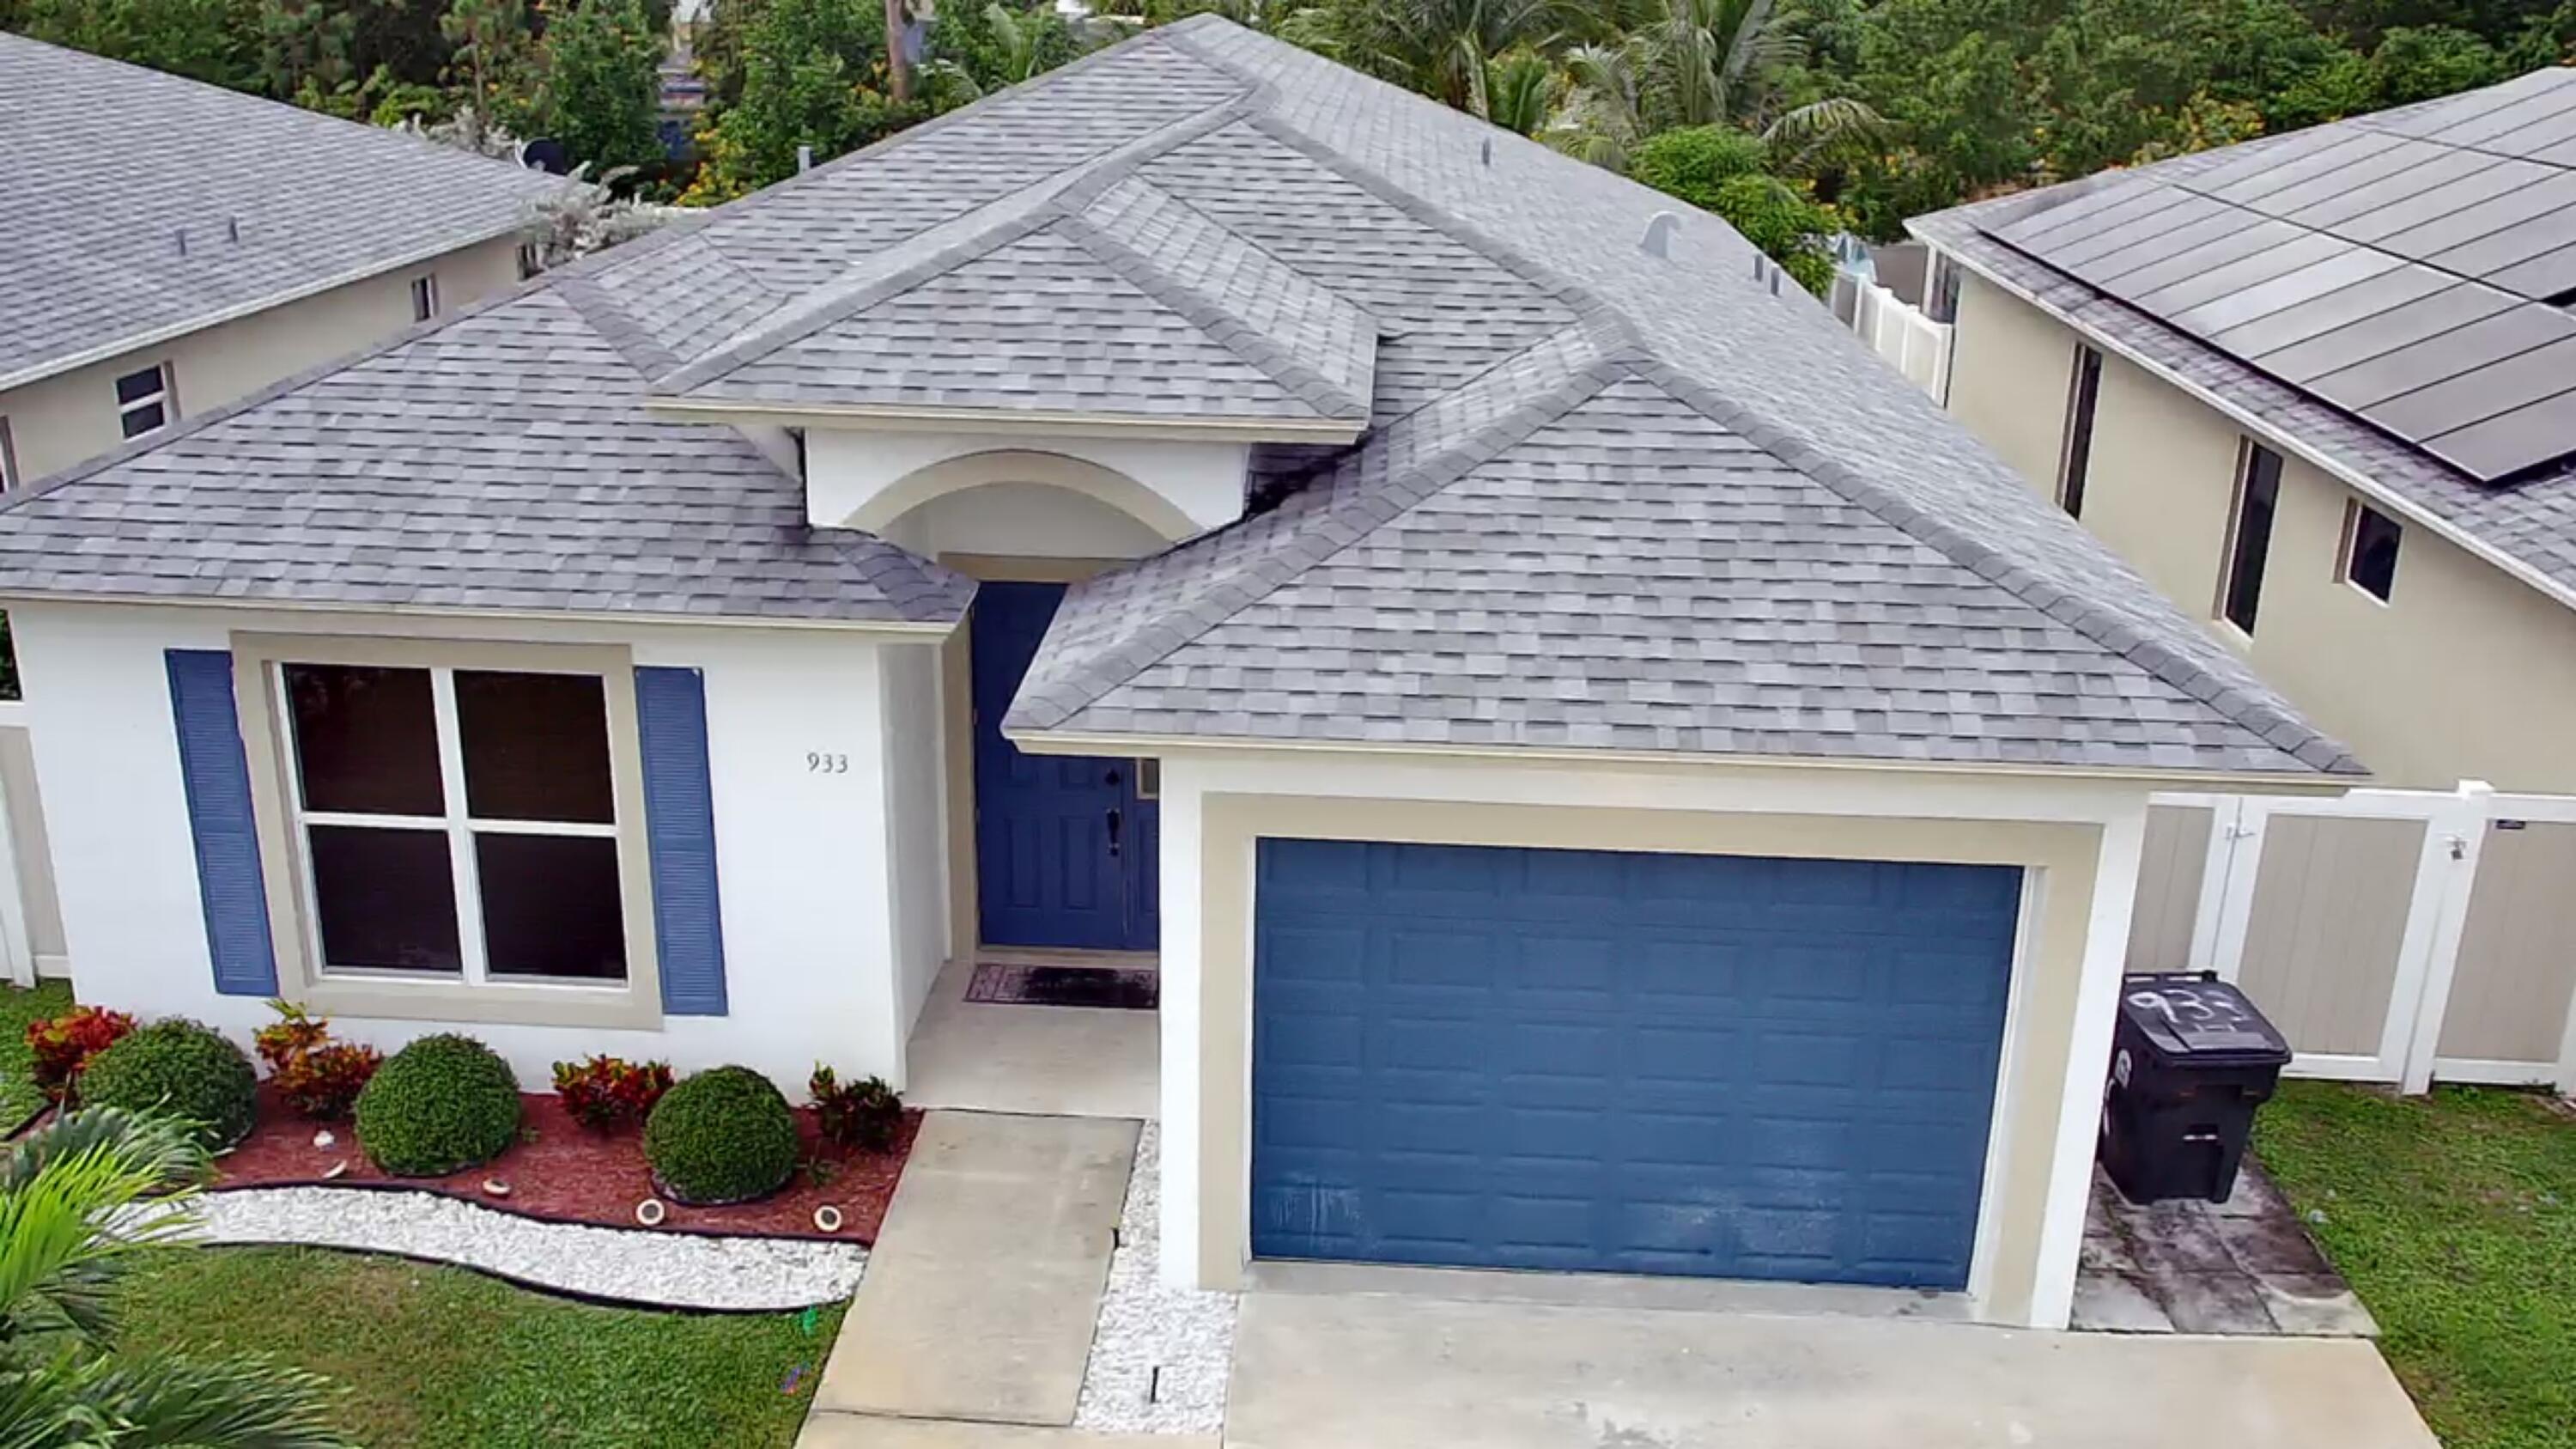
<point x="143" y="401"/>
<point x="2249" y="540"/>
<point x="2077" y="454"/>
<point x="1941" y="296"/>
<point x="8" y="459"/>
<point x="529" y="263"/>
<point x="424" y="298"/>
<point x="2370" y="540"/>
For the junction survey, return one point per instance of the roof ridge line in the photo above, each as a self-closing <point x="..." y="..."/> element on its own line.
<point x="2105" y="627"/>
<point x="1163" y="636"/>
<point x="723" y="361"/>
<point x="1221" y="323"/>
<point x="760" y="342"/>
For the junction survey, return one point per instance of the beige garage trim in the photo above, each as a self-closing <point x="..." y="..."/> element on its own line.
<point x="2058" y="899"/>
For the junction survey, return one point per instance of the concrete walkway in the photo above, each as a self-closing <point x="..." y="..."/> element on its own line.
<point x="982" y="1291"/>
<point x="1360" y="1371"/>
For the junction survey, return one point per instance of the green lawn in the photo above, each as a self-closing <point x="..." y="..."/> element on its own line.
<point x="18" y="1097"/>
<point x="440" y="1356"/>
<point x="2454" y="1217"/>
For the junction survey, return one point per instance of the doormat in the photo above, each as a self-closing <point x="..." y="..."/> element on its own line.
<point x="1065" y="986"/>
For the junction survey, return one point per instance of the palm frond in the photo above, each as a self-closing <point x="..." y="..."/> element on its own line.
<point x="1799" y="134"/>
<point x="166" y="1401"/>
<point x="96" y="1190"/>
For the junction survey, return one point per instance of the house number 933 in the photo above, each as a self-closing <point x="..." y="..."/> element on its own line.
<point x="821" y="763"/>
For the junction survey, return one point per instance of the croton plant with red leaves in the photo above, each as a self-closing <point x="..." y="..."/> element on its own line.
<point x="606" y="1094"/>
<point x="64" y="1044"/>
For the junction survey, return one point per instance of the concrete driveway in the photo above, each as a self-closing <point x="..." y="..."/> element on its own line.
<point x="1366" y="1371"/>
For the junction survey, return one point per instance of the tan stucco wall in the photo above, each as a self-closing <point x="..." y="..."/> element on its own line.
<point x="2009" y="366"/>
<point x="2062" y="856"/>
<point x="57" y="421"/>
<point x="2465" y="673"/>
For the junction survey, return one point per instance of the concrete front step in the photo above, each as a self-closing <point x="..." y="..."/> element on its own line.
<point x="862" y="1431"/>
<point x="985" y="1283"/>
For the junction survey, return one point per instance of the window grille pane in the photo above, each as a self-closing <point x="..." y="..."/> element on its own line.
<point x="386" y="899"/>
<point x="366" y="739"/>
<point x="536" y="746"/>
<point x="551" y="907"/>
<point x="2374" y="552"/>
<point x="134" y="387"/>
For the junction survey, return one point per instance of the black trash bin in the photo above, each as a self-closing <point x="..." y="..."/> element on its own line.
<point x="2190" y="1061"/>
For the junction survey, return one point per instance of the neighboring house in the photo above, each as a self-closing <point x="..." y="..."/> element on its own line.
<point x="2321" y="390"/>
<point x="167" y="247"/>
<point x="1615" y="779"/>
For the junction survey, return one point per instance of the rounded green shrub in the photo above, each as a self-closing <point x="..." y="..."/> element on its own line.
<point x="181" y="1068"/>
<point x="439" y="1105"/>
<point x="724" y="1135"/>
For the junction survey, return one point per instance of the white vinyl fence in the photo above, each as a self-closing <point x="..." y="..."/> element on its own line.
<point x="2393" y="935"/>
<point x="31" y="922"/>
<point x="1896" y="330"/>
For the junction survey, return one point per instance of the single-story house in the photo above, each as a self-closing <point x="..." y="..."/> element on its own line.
<point x="167" y="246"/>
<point x="1611" y="776"/>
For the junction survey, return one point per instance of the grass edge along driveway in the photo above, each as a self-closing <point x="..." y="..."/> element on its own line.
<point x="2454" y="1218"/>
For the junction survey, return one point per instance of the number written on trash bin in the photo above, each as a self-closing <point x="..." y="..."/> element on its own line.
<point x="2185" y="1007"/>
<point x="817" y="763"/>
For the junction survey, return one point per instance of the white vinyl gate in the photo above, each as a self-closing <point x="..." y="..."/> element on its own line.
<point x="2393" y="935"/>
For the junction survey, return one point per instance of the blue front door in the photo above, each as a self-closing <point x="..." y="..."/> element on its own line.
<point x="1066" y="849"/>
<point x="1622" y="1062"/>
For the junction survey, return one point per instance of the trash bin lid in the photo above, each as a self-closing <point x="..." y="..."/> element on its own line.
<point x="2200" y="1019"/>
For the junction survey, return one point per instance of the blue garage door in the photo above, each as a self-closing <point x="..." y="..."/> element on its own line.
<point x="1714" y="1065"/>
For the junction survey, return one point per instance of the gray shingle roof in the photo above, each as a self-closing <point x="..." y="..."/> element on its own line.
<point x="1606" y="499"/>
<point x="503" y="461"/>
<point x="2531" y="522"/>
<point x="110" y="163"/>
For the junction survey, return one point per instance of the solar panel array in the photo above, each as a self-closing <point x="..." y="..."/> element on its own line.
<point x="2414" y="268"/>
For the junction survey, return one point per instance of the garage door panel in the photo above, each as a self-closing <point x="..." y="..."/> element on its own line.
<point x="1625" y="1062"/>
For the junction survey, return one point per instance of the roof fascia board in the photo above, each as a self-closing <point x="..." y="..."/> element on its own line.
<point x="2379" y="493"/>
<point x="1065" y="742"/>
<point x="894" y="630"/>
<point x="154" y="337"/>
<point x="1013" y="422"/>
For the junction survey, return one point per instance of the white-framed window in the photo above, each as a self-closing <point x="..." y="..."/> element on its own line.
<point x="531" y="261"/>
<point x="453" y="830"/>
<point x="2368" y="560"/>
<point x="8" y="458"/>
<point x="424" y="297"/>
<point x="147" y="400"/>
<point x="2249" y="534"/>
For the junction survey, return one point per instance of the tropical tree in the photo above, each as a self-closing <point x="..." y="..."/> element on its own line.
<point x="1443" y="48"/>
<point x="82" y="1201"/>
<point x="974" y="52"/>
<point x="1683" y="63"/>
<point x="491" y="40"/>
<point x="813" y="76"/>
<point x="207" y="40"/>
<point x="1728" y="172"/>
<point x="602" y="96"/>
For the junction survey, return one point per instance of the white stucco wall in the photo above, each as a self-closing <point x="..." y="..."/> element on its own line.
<point x="807" y="863"/>
<point x="2057" y="1036"/>
<point x="916" y="822"/>
<point x="58" y="421"/>
<point x="867" y="478"/>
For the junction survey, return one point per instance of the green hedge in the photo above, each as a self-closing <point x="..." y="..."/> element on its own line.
<point x="441" y="1104"/>
<point x="724" y="1135"/>
<point x="181" y="1068"/>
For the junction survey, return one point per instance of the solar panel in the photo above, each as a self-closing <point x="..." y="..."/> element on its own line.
<point x="2402" y="325"/>
<point x="2398" y="267"/>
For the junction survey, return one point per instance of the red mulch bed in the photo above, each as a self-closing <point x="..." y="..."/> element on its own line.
<point x="567" y="1173"/>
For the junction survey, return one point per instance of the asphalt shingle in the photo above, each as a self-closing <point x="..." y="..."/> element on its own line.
<point x="111" y="166"/>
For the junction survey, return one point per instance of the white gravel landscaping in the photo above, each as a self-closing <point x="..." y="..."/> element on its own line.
<point x="1145" y="1327"/>
<point x="670" y="1270"/>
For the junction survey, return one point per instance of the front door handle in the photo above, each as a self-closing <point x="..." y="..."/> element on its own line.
<point x="1115" y="822"/>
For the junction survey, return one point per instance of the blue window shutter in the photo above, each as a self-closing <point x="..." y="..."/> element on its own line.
<point x="217" y="776"/>
<point x="680" y="824"/>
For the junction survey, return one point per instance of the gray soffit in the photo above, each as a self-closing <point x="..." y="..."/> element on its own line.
<point x="141" y="205"/>
<point x="2332" y="258"/>
<point x="1598" y="498"/>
